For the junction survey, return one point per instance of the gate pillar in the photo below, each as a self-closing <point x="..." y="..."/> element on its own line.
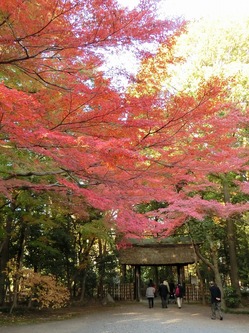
<point x="137" y="283"/>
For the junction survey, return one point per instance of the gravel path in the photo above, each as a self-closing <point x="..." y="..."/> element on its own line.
<point x="138" y="318"/>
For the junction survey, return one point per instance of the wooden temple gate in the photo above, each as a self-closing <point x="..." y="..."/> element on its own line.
<point x="156" y="254"/>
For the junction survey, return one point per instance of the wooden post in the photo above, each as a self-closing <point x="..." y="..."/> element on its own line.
<point x="137" y="282"/>
<point x="178" y="273"/>
<point x="123" y="273"/>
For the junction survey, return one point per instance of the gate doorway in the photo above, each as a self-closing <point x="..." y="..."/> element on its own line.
<point x="155" y="254"/>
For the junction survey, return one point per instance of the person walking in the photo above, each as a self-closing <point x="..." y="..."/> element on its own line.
<point x="215" y="300"/>
<point x="163" y="291"/>
<point x="179" y="295"/>
<point x="150" y="294"/>
<point x="165" y="282"/>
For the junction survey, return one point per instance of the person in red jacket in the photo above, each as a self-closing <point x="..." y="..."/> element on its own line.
<point x="179" y="295"/>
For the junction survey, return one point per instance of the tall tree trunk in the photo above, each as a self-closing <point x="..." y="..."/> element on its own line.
<point x="20" y="253"/>
<point x="83" y="285"/>
<point x="231" y="241"/>
<point x="233" y="258"/>
<point x="83" y="267"/>
<point x="4" y="258"/>
<point x="101" y="268"/>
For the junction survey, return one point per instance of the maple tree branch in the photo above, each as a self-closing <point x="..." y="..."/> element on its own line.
<point x="89" y="119"/>
<point x="19" y="40"/>
<point x="205" y="97"/>
<point x="198" y="252"/>
<point x="31" y="173"/>
<point x="48" y="173"/>
<point x="40" y="78"/>
<point x="53" y="18"/>
<point x="5" y="21"/>
<point x="168" y="165"/>
<point x="50" y="83"/>
<point x="28" y="56"/>
<point x="205" y="260"/>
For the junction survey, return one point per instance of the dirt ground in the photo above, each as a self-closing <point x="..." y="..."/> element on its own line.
<point x="24" y="315"/>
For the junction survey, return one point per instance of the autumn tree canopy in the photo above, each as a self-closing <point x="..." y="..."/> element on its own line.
<point x="65" y="127"/>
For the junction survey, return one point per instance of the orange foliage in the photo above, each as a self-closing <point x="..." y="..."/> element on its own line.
<point x="42" y="290"/>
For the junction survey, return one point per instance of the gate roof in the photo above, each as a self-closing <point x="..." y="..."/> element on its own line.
<point x="158" y="254"/>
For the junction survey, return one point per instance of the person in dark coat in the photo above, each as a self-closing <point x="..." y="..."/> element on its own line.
<point x="215" y="294"/>
<point x="163" y="291"/>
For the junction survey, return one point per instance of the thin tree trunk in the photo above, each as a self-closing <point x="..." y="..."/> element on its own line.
<point x="4" y="254"/>
<point x="15" y="293"/>
<point x="217" y="275"/>
<point x="214" y="267"/>
<point x="202" y="284"/>
<point x="231" y="241"/>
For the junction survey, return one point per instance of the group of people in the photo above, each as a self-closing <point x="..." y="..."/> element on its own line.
<point x="164" y="291"/>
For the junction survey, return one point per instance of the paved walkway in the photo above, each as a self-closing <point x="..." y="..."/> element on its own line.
<point x="138" y="318"/>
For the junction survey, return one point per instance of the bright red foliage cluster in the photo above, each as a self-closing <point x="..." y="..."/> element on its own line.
<point x="114" y="150"/>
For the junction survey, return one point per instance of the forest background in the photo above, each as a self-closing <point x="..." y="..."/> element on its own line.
<point x="94" y="154"/>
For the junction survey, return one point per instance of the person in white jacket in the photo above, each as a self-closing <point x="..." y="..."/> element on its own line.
<point x="150" y="294"/>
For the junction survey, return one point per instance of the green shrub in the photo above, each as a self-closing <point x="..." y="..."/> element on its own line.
<point x="231" y="297"/>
